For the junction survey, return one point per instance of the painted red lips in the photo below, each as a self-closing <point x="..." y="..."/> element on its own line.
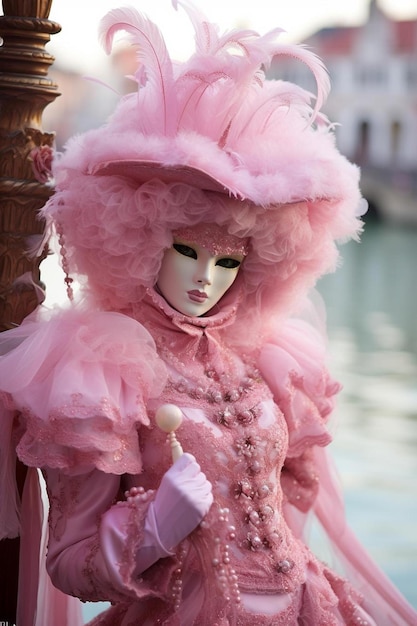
<point x="197" y="296"/>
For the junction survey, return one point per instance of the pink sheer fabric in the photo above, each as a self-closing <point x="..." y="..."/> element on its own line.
<point x="70" y="390"/>
<point x="254" y="424"/>
<point x="382" y="599"/>
<point x="294" y="371"/>
<point x="39" y="602"/>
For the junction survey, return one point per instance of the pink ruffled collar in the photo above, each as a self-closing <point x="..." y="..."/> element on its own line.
<point x="155" y="306"/>
<point x="194" y="338"/>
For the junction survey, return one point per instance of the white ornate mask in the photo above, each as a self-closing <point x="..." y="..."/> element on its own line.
<point x="199" y="268"/>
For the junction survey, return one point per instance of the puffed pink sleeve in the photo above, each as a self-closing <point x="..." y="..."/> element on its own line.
<point x="293" y="365"/>
<point x="84" y="380"/>
<point x="95" y="548"/>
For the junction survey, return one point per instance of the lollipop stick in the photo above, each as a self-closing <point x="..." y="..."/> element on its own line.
<point x="176" y="448"/>
<point x="169" y="418"/>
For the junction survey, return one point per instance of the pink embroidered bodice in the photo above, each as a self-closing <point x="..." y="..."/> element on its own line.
<point x="240" y="438"/>
<point x="243" y="560"/>
<point x="254" y="422"/>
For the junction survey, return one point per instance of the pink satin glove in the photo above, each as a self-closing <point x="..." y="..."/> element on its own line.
<point x="181" y="502"/>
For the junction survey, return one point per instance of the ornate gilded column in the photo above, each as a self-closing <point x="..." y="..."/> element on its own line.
<point x="25" y="90"/>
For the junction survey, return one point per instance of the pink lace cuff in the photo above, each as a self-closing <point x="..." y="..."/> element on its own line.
<point x="122" y="535"/>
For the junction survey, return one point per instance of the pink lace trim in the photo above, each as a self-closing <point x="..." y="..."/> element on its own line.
<point x="79" y="437"/>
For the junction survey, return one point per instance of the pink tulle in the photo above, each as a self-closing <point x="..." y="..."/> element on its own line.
<point x="295" y="372"/>
<point x="382" y="599"/>
<point x="84" y="395"/>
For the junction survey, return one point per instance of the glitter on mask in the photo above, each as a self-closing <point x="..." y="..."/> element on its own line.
<point x="214" y="238"/>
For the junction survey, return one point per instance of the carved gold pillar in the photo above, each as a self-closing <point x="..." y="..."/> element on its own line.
<point x="25" y="90"/>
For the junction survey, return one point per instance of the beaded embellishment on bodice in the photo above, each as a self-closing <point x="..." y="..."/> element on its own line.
<point x="244" y="533"/>
<point x="239" y="437"/>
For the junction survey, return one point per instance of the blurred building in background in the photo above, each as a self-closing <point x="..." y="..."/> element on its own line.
<point x="87" y="101"/>
<point x="373" y="70"/>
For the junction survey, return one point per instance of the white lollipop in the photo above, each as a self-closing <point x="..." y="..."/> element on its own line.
<point x="169" y="417"/>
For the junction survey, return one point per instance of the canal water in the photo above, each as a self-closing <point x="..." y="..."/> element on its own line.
<point x="372" y="325"/>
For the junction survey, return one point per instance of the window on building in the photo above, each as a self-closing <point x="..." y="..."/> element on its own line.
<point x="371" y="76"/>
<point x="362" y="146"/>
<point x="395" y="140"/>
<point x="411" y="75"/>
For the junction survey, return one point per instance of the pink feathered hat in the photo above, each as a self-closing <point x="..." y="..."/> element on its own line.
<point x="207" y="140"/>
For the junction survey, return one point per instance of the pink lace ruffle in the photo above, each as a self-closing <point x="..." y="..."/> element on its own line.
<point x="293" y="367"/>
<point x="83" y="395"/>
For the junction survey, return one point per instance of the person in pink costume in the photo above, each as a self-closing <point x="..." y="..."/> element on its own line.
<point x="197" y="220"/>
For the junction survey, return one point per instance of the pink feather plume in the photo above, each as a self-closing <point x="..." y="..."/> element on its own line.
<point x="155" y="66"/>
